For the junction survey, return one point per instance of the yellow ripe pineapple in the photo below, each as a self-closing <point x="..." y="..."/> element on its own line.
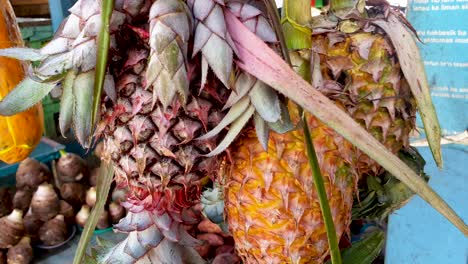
<point x="271" y="203"/>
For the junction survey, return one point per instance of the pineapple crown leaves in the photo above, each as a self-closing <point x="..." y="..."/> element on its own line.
<point x="271" y="69"/>
<point x="213" y="204"/>
<point x="69" y="59"/>
<point x="249" y="92"/>
<point x="212" y="39"/>
<point x="170" y="29"/>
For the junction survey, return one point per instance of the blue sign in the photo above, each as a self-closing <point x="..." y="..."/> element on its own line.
<point x="417" y="234"/>
<point x="442" y="26"/>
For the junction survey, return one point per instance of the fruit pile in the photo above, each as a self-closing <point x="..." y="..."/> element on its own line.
<point x="182" y="110"/>
<point x="44" y="207"/>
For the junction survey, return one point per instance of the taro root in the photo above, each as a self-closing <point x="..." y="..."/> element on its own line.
<point x="54" y="231"/>
<point x="31" y="225"/>
<point x="45" y="202"/>
<point x="103" y="221"/>
<point x="12" y="229"/>
<point x="31" y="173"/>
<point x="116" y="212"/>
<point x="73" y="193"/>
<point x="21" y="253"/>
<point x="67" y="211"/>
<point x="71" y="168"/>
<point x="22" y="200"/>
<point x="82" y="216"/>
<point x="91" y="197"/>
<point x="5" y="202"/>
<point x="2" y="257"/>
<point x="93" y="176"/>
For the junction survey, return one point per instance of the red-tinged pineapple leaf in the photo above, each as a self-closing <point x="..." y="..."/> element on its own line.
<point x="271" y="69"/>
<point x="413" y="69"/>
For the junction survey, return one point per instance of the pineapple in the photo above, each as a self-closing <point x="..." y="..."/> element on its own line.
<point x="359" y="70"/>
<point x="153" y="111"/>
<point x="271" y="203"/>
<point x="150" y="133"/>
<point x="160" y="101"/>
<point x="272" y="208"/>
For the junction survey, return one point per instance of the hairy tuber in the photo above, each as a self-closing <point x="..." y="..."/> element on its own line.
<point x="73" y="193"/>
<point x="54" y="231"/>
<point x="45" y="202"/>
<point x="21" y="253"/>
<point x="22" y="200"/>
<point x="71" y="168"/>
<point x="12" y="229"/>
<point x="31" y="173"/>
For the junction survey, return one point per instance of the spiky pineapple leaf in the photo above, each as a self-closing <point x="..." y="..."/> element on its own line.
<point x="232" y="115"/>
<point x="54" y="67"/>
<point x="284" y="124"/>
<point x="364" y="251"/>
<point x="106" y="174"/>
<point x="234" y="130"/>
<point x="262" y="131"/>
<point x="271" y="69"/>
<point x="67" y="102"/>
<point x="101" y="60"/>
<point x="212" y="201"/>
<point x="266" y="101"/>
<point x="413" y="69"/>
<point x="322" y="195"/>
<point x="24" y="54"/>
<point x="25" y="95"/>
<point x="82" y="115"/>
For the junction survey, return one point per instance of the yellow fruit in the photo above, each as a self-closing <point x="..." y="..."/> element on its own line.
<point x="272" y="207"/>
<point x="20" y="133"/>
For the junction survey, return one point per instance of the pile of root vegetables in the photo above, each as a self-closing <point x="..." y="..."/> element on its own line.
<point x="44" y="207"/>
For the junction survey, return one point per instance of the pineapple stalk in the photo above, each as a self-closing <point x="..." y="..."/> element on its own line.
<point x="296" y="15"/>
<point x="337" y="5"/>
<point x="105" y="180"/>
<point x="298" y="39"/>
<point x="322" y="195"/>
<point x="102" y="53"/>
